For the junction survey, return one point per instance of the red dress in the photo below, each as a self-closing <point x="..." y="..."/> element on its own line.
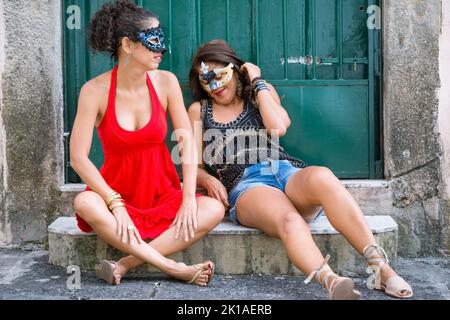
<point x="138" y="165"/>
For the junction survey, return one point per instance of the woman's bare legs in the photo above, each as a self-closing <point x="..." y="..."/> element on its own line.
<point x="270" y="210"/>
<point x="92" y="208"/>
<point x="313" y="187"/>
<point x="210" y="213"/>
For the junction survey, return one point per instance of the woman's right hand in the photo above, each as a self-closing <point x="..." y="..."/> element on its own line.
<point x="216" y="190"/>
<point x="125" y="226"/>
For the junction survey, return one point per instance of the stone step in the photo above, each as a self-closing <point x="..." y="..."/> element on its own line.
<point x="234" y="249"/>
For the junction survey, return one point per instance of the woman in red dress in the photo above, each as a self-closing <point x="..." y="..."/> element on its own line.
<point x="137" y="193"/>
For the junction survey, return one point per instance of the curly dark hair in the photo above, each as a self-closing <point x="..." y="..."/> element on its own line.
<point x="217" y="51"/>
<point x="114" y="21"/>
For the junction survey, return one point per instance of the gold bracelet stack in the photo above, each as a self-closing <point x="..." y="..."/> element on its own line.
<point x="112" y="196"/>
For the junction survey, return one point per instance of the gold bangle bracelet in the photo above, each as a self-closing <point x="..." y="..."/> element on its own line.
<point x="112" y="196"/>
<point x="115" y="201"/>
<point x="117" y="205"/>
<point x="115" y="197"/>
<point x="111" y="193"/>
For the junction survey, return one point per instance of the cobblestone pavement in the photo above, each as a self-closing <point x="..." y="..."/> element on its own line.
<point x="26" y="275"/>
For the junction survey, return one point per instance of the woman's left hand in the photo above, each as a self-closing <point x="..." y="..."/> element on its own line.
<point x="186" y="220"/>
<point x="252" y="70"/>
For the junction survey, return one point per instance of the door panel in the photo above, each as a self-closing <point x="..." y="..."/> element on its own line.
<point x="326" y="120"/>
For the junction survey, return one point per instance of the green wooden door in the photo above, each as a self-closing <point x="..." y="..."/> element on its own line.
<point x="319" y="54"/>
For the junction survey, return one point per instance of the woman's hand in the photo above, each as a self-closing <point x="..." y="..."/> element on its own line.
<point x="186" y="220"/>
<point x="276" y="119"/>
<point x="125" y="226"/>
<point x="216" y="190"/>
<point x="252" y="70"/>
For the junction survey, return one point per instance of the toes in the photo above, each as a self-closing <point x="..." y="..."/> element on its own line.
<point x="206" y="270"/>
<point x="405" y="293"/>
<point x="204" y="276"/>
<point x="203" y="279"/>
<point x="201" y="282"/>
<point x="208" y="265"/>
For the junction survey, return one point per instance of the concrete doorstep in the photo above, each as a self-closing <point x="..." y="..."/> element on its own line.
<point x="236" y="250"/>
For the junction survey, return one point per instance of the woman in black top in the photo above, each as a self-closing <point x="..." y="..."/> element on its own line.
<point x="237" y="119"/>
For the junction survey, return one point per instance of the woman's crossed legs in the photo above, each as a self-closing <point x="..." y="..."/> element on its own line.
<point x="91" y="207"/>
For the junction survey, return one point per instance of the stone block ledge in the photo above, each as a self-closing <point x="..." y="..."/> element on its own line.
<point x="235" y="249"/>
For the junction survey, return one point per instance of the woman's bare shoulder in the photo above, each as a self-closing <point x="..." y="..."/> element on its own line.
<point x="194" y="109"/>
<point x="94" y="96"/>
<point x="99" y="84"/>
<point x="163" y="77"/>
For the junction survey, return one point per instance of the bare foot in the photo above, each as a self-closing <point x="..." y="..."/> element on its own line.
<point x="121" y="270"/>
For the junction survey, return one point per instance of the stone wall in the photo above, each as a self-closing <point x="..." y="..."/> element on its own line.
<point x="413" y="150"/>
<point x="444" y="124"/>
<point x="5" y="233"/>
<point x="32" y="117"/>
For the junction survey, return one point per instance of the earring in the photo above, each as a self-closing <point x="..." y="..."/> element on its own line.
<point x="239" y="89"/>
<point x="127" y="59"/>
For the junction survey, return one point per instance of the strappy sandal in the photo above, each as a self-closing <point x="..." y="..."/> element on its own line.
<point x="395" y="285"/>
<point x="201" y="267"/>
<point x="105" y="271"/>
<point x="344" y="290"/>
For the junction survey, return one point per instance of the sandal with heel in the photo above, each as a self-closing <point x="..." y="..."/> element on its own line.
<point x="344" y="290"/>
<point x="395" y="285"/>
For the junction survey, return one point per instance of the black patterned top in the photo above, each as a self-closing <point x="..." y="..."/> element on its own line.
<point x="231" y="147"/>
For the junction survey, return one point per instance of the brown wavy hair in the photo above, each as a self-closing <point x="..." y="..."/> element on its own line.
<point x="217" y="51"/>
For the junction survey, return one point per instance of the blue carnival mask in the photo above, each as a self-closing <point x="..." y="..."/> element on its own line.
<point x="153" y="39"/>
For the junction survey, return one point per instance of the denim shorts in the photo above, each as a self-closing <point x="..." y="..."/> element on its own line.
<point x="273" y="173"/>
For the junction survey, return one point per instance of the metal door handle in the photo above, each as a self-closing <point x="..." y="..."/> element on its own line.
<point x="326" y="61"/>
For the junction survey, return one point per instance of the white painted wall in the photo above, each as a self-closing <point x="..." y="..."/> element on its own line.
<point x="444" y="97"/>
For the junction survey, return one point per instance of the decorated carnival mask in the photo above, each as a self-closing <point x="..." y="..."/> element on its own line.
<point x="216" y="78"/>
<point x="153" y="39"/>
